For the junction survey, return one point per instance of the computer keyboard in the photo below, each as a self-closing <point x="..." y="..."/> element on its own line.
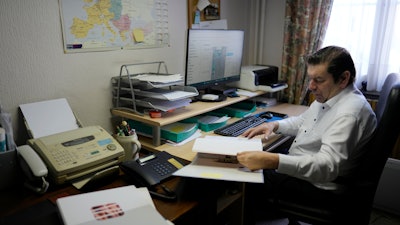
<point x="239" y="127"/>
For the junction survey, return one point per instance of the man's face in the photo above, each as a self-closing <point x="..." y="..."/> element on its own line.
<point x="321" y="82"/>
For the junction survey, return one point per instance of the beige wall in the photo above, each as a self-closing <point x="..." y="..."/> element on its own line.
<point x="33" y="66"/>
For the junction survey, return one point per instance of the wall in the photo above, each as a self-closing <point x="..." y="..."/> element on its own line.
<point x="265" y="36"/>
<point x="274" y="28"/>
<point x="33" y="66"/>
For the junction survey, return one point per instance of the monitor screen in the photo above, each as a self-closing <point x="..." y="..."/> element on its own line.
<point x="214" y="57"/>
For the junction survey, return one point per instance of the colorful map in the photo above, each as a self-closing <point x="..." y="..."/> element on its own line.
<point x="95" y="25"/>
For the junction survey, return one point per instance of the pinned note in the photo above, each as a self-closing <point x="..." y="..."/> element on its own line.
<point x="138" y="35"/>
<point x="202" y="4"/>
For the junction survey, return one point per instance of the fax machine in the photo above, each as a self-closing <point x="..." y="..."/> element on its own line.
<point x="73" y="154"/>
<point x="260" y="77"/>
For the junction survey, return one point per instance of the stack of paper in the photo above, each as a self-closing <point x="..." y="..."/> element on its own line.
<point x="216" y="159"/>
<point x="170" y="78"/>
<point x="123" y="205"/>
<point x="163" y="105"/>
<point x="165" y="94"/>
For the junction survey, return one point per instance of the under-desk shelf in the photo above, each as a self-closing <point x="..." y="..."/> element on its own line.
<point x="194" y="109"/>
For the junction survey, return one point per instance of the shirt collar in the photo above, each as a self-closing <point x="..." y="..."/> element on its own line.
<point x="331" y="102"/>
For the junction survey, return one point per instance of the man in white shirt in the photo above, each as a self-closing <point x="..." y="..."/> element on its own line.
<point x="329" y="135"/>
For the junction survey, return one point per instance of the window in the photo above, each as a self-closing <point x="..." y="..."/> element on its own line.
<point x="370" y="31"/>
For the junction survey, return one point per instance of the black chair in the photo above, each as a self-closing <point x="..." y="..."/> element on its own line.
<point x="354" y="205"/>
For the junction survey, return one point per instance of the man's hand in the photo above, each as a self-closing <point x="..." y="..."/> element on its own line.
<point x="265" y="129"/>
<point x="255" y="160"/>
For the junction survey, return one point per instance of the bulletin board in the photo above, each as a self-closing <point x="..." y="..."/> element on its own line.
<point x="209" y="13"/>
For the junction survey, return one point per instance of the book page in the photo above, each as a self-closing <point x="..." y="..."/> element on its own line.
<point x="226" y="145"/>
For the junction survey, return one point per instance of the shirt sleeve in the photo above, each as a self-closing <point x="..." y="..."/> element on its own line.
<point x="290" y="125"/>
<point x="323" y="165"/>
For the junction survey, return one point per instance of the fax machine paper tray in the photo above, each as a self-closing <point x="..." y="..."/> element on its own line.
<point x="72" y="154"/>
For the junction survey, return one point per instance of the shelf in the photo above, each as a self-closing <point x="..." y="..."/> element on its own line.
<point x="193" y="109"/>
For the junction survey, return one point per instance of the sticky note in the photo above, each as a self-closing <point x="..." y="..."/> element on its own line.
<point x="138" y="35"/>
<point x="202" y="4"/>
<point x="174" y="162"/>
<point x="211" y="175"/>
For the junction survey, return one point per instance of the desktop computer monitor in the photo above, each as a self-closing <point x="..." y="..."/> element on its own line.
<point x="214" y="58"/>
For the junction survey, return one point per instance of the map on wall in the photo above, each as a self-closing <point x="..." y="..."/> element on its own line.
<point x="98" y="25"/>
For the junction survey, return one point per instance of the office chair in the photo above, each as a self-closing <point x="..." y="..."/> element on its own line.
<point x="355" y="204"/>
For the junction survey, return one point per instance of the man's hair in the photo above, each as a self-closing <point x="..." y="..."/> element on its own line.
<point x="338" y="60"/>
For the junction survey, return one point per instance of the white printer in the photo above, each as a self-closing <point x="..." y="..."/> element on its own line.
<point x="260" y="77"/>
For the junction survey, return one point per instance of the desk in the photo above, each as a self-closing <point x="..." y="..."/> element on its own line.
<point x="18" y="200"/>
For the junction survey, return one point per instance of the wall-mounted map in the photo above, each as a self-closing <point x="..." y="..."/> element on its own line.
<point x="98" y="25"/>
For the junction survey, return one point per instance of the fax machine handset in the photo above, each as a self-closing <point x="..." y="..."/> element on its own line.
<point x="34" y="168"/>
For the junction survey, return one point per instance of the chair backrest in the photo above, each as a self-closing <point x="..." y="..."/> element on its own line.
<point x="386" y="133"/>
<point x="392" y="80"/>
<point x="364" y="182"/>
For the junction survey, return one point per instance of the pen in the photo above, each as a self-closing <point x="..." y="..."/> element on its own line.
<point x="120" y="132"/>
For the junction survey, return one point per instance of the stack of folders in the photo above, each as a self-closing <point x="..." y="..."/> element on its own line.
<point x="123" y="205"/>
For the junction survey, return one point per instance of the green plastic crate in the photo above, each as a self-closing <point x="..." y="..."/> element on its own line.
<point x="239" y="110"/>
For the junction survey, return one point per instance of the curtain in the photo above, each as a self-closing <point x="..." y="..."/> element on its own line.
<point x="370" y="31"/>
<point x="305" y="27"/>
<point x="382" y="39"/>
<point x="257" y="28"/>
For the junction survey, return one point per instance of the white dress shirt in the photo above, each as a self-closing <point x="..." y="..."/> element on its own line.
<point x="328" y="138"/>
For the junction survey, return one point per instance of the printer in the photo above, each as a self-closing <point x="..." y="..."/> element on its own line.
<point x="260" y="77"/>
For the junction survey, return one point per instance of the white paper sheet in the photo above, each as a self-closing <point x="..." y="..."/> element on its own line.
<point x="226" y="145"/>
<point x="112" y="206"/>
<point x="246" y="92"/>
<point x="49" y="117"/>
<point x="212" y="24"/>
<point x="159" y="78"/>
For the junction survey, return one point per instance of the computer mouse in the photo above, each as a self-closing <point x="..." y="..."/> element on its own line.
<point x="210" y="97"/>
<point x="266" y="115"/>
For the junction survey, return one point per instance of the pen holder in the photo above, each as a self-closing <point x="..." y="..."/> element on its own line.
<point x="131" y="146"/>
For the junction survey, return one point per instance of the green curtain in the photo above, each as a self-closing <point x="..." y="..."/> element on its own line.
<point x="305" y="27"/>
